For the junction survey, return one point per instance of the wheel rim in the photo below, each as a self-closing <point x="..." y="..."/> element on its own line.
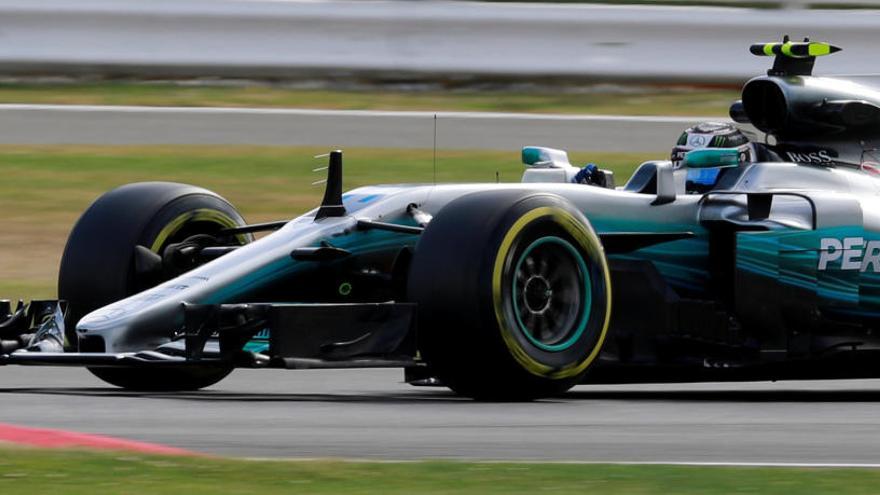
<point x="551" y="294"/>
<point x="202" y="215"/>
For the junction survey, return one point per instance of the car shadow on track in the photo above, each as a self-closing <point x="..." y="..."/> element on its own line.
<point x="439" y="395"/>
<point x="445" y="396"/>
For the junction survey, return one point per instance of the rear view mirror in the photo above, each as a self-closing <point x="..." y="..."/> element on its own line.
<point x="540" y="157"/>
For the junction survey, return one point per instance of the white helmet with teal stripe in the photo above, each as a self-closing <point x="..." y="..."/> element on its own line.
<point x="711" y="135"/>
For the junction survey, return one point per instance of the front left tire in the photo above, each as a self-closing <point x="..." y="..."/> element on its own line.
<point x="98" y="265"/>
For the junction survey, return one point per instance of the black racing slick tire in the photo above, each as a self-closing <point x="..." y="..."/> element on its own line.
<point x="98" y="265"/>
<point x="513" y="294"/>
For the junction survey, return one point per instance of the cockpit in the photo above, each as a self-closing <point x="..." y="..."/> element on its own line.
<point x="700" y="171"/>
<point x="701" y="158"/>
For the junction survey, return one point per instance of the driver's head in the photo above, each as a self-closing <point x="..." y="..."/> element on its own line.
<point x="711" y="135"/>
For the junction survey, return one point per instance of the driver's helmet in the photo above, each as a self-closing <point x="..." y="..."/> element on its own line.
<point x="711" y="135"/>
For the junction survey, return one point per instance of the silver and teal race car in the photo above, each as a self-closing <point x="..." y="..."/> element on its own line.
<point x="733" y="261"/>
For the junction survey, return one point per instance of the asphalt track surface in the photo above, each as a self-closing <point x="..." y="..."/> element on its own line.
<point x="370" y="414"/>
<point x="81" y="124"/>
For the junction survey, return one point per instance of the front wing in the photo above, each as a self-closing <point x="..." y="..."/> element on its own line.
<point x="261" y="335"/>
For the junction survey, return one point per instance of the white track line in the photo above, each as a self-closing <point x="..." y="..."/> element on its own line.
<point x="352" y="113"/>
<point x="817" y="465"/>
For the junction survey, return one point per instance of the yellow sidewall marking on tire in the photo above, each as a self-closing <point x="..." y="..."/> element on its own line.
<point x="199" y="215"/>
<point x="586" y="240"/>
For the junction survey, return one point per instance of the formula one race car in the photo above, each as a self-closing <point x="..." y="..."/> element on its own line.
<point x="737" y="261"/>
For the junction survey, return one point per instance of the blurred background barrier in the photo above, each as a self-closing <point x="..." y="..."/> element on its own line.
<point x="412" y="40"/>
<point x="804" y="4"/>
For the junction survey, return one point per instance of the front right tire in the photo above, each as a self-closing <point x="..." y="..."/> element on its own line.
<point x="514" y="295"/>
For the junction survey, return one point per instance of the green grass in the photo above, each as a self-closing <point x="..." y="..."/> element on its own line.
<point x="43" y="189"/>
<point x="633" y="101"/>
<point x="24" y="471"/>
